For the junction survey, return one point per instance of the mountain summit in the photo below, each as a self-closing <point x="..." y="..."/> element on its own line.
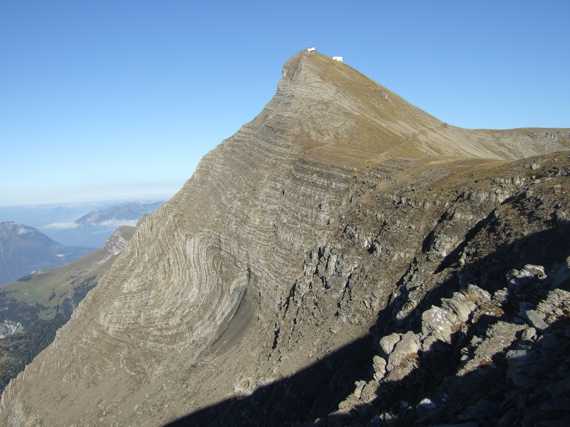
<point x="255" y="284"/>
<point x="344" y="117"/>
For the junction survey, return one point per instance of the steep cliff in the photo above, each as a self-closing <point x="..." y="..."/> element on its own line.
<point x="280" y="251"/>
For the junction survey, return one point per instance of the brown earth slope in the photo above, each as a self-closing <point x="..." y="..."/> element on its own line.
<point x="284" y="246"/>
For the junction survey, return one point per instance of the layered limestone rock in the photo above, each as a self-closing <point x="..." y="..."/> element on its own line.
<point x="284" y="245"/>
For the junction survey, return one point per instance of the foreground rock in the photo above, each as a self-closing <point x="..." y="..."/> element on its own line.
<point x="496" y="351"/>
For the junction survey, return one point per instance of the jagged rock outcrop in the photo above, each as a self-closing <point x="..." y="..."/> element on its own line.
<point x="493" y="352"/>
<point x="337" y="203"/>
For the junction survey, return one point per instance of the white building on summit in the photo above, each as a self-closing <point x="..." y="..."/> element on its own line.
<point x="311" y="49"/>
<point x="338" y="58"/>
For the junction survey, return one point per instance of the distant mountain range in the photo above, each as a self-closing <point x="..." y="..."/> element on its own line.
<point x="123" y="214"/>
<point x="87" y="225"/>
<point x="24" y="250"/>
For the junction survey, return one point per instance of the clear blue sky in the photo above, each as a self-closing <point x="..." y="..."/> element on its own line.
<point x="106" y="99"/>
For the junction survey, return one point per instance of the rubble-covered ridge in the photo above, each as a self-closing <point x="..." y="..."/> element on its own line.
<point x="488" y="344"/>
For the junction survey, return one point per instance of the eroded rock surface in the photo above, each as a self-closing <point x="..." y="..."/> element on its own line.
<point x="495" y="351"/>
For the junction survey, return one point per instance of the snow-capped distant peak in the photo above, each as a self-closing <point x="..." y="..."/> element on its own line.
<point x="15" y="228"/>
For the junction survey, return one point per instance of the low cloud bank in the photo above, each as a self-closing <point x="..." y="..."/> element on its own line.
<point x="61" y="226"/>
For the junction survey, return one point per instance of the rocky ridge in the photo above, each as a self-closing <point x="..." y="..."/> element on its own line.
<point x="487" y="343"/>
<point x="340" y="207"/>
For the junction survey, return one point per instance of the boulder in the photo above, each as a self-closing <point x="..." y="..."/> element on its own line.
<point x="528" y="334"/>
<point x="402" y="359"/>
<point x="528" y="274"/>
<point x="388" y="342"/>
<point x="379" y="365"/>
<point x="536" y="319"/>
<point x="439" y="322"/>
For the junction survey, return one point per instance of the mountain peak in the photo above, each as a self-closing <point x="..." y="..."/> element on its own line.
<point x="344" y="118"/>
<point x="315" y="60"/>
<point x="341" y="117"/>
